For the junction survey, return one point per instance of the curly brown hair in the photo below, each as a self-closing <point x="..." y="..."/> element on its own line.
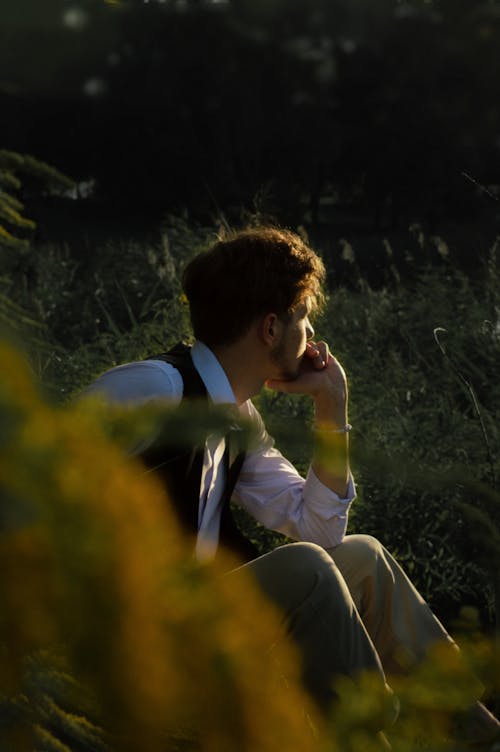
<point x="247" y="274"/>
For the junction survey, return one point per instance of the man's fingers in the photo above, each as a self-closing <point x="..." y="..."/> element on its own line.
<point x="324" y="351"/>
<point x="319" y="353"/>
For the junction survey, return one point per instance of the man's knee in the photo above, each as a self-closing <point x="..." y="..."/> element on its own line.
<point x="303" y="555"/>
<point x="294" y="571"/>
<point x="304" y="561"/>
<point x="365" y="547"/>
<point x="360" y="556"/>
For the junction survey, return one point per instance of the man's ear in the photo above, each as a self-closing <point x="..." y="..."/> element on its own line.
<point x="270" y="329"/>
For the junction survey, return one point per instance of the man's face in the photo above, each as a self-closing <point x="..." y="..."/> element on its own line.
<point x="288" y="353"/>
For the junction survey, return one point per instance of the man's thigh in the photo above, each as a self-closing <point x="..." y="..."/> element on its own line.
<point x="290" y="574"/>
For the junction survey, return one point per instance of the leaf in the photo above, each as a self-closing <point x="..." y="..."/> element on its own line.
<point x="9" y="180"/>
<point x="14" y="203"/>
<point x="13" y="217"/>
<point x="10" y="240"/>
<point x="49" y="174"/>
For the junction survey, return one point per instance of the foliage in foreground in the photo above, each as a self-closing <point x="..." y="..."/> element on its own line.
<point x="112" y="638"/>
<point x="99" y="590"/>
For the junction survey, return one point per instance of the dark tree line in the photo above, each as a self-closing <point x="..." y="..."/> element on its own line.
<point x="325" y="110"/>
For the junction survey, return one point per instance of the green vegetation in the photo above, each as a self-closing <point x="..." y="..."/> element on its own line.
<point x="76" y="564"/>
<point x="425" y="471"/>
<point x="14" y="170"/>
<point x="426" y="476"/>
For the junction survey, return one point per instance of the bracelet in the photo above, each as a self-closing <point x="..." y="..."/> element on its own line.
<point x="345" y="429"/>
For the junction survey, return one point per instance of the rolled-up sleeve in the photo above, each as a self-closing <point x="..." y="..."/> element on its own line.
<point x="276" y="495"/>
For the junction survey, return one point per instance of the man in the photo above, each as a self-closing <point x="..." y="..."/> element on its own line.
<point x="348" y="604"/>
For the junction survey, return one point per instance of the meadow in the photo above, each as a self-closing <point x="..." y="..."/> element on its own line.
<point x="422" y="357"/>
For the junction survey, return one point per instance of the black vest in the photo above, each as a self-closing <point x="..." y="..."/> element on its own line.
<point x="180" y="469"/>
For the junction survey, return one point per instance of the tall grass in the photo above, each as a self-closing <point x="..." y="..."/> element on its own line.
<point x="424" y="470"/>
<point x="109" y="631"/>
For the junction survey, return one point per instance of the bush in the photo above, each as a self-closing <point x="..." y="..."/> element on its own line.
<point x="110" y="634"/>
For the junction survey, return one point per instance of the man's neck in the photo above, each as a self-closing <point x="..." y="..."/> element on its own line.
<point x="241" y="366"/>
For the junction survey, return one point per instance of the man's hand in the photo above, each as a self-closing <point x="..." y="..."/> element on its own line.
<point x="322" y="377"/>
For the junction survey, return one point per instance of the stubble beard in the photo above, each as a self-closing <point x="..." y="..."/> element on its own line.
<point x="279" y="359"/>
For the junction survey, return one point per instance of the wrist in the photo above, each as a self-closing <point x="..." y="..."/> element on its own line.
<point x="331" y="429"/>
<point x="330" y="413"/>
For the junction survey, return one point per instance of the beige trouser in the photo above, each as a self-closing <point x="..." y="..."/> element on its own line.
<point x="349" y="609"/>
<point x="400" y="623"/>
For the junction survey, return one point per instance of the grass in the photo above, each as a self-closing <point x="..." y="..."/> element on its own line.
<point x="425" y="438"/>
<point x="419" y="449"/>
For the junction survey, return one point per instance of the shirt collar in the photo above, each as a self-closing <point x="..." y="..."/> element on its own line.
<point x="212" y="374"/>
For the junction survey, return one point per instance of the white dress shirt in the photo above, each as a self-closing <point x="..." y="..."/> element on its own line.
<point x="269" y="487"/>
